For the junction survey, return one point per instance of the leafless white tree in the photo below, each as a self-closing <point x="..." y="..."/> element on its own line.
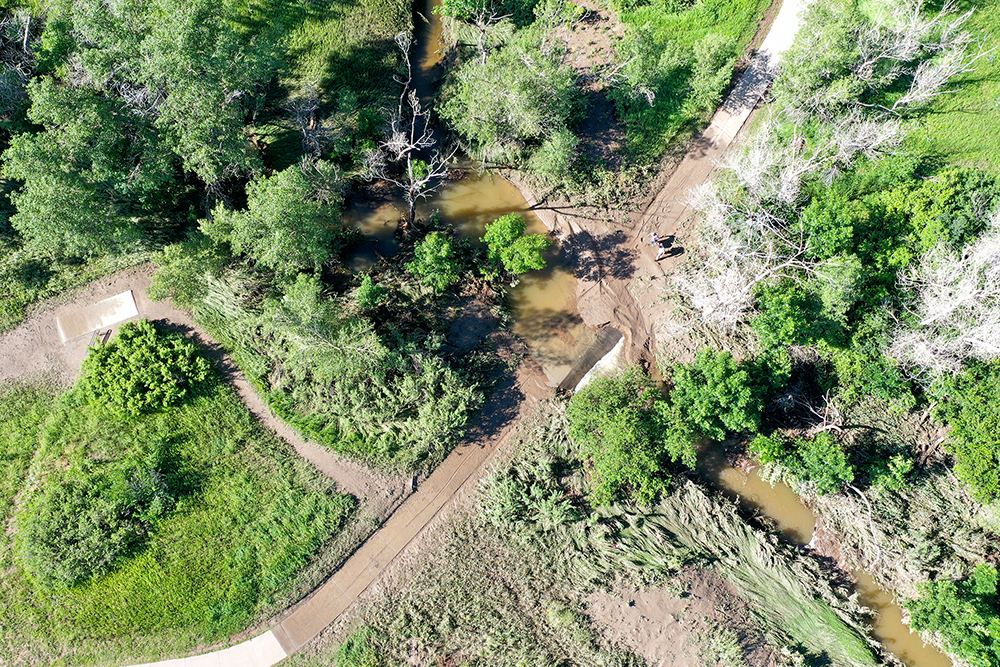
<point x="409" y="136"/>
<point x="957" y="306"/>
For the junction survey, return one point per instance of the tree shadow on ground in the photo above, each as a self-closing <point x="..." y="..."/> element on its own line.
<point x="595" y="257"/>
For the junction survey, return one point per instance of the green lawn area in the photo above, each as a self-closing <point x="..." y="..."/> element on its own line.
<point x="651" y="129"/>
<point x="247" y="516"/>
<point x="963" y="127"/>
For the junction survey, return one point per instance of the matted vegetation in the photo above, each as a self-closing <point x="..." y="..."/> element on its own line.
<point x="133" y="536"/>
<point x="555" y="549"/>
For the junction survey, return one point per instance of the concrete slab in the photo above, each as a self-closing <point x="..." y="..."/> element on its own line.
<point x="96" y="316"/>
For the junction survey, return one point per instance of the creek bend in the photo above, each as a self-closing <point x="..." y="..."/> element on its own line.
<point x="543" y="308"/>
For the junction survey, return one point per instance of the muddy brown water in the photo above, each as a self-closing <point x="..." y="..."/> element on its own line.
<point x="542" y="304"/>
<point x="795" y="522"/>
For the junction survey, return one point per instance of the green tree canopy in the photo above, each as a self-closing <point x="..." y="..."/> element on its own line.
<point x="508" y="245"/>
<point x="616" y="423"/>
<point x="435" y="262"/>
<point x="92" y="169"/>
<point x="284" y="226"/>
<point x="509" y="106"/>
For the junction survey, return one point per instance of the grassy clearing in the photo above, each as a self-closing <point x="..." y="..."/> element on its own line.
<point x="347" y="46"/>
<point x="963" y="127"/>
<point x="236" y="547"/>
<point x="672" y="31"/>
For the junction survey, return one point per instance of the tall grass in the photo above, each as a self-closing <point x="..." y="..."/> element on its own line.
<point x="509" y="587"/>
<point x="249" y="516"/>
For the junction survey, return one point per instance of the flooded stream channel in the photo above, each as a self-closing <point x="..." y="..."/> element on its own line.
<point x="543" y="306"/>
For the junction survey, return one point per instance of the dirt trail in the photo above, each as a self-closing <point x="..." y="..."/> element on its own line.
<point x="34" y="349"/>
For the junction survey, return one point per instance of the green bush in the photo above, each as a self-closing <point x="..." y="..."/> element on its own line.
<point x="507" y="108"/>
<point x="78" y="528"/>
<point x="890" y="474"/>
<point x="619" y="430"/>
<point x="143" y="370"/>
<point x="286" y="227"/>
<point x="370" y="294"/>
<point x="435" y="262"/>
<point x="964" y="614"/>
<point x="715" y="395"/>
<point x="822" y="462"/>
<point x="769" y="448"/>
<point x="967" y="402"/>
<point x="509" y="247"/>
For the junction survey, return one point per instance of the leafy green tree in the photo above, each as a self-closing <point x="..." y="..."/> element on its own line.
<point x="616" y="424"/>
<point x="284" y="226"/>
<point x="370" y="294"/>
<point x="769" y="448"/>
<point x="435" y="262"/>
<point x="967" y="402"/>
<point x="964" y="614"/>
<point x="822" y="462"/>
<point x="182" y="268"/>
<point x="714" y="59"/>
<point x="714" y="395"/>
<point x="507" y="107"/>
<point x="88" y="174"/>
<point x="508" y="246"/>
<point x="143" y="370"/>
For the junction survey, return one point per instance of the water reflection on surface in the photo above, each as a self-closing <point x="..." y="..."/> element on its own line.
<point x="543" y="304"/>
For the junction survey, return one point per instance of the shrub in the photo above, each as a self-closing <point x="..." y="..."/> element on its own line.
<point x="143" y="370"/>
<point x="793" y="315"/>
<point x="967" y="402"/>
<point x="435" y="262"/>
<point x="964" y="614"/>
<point x="616" y="424"/>
<point x="769" y="448"/>
<point x="715" y="395"/>
<point x="286" y="226"/>
<point x="370" y="294"/>
<point x="890" y="474"/>
<point x="510" y="247"/>
<point x="821" y="462"/>
<point x="80" y="527"/>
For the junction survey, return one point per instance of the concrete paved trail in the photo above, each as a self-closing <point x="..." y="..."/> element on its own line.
<point x="670" y="208"/>
<point x="307" y="619"/>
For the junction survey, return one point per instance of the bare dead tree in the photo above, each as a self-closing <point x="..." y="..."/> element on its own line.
<point x="958" y="306"/>
<point x="409" y="136"/>
<point x="481" y="15"/>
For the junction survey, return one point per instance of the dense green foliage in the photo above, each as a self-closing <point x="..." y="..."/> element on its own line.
<point x="435" y="262"/>
<point x="144" y="534"/>
<point x="513" y="250"/>
<point x="143" y="370"/>
<point x="507" y="108"/>
<point x="964" y="614"/>
<point x="124" y="124"/>
<point x="287" y="226"/>
<point x="371" y="386"/>
<point x="715" y="395"/>
<point x="968" y="403"/>
<point x="678" y="58"/>
<point x="617" y="425"/>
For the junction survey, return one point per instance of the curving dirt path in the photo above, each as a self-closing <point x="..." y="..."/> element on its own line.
<point x="34" y="349"/>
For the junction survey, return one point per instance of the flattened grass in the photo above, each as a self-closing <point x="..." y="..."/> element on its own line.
<point x="250" y="514"/>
